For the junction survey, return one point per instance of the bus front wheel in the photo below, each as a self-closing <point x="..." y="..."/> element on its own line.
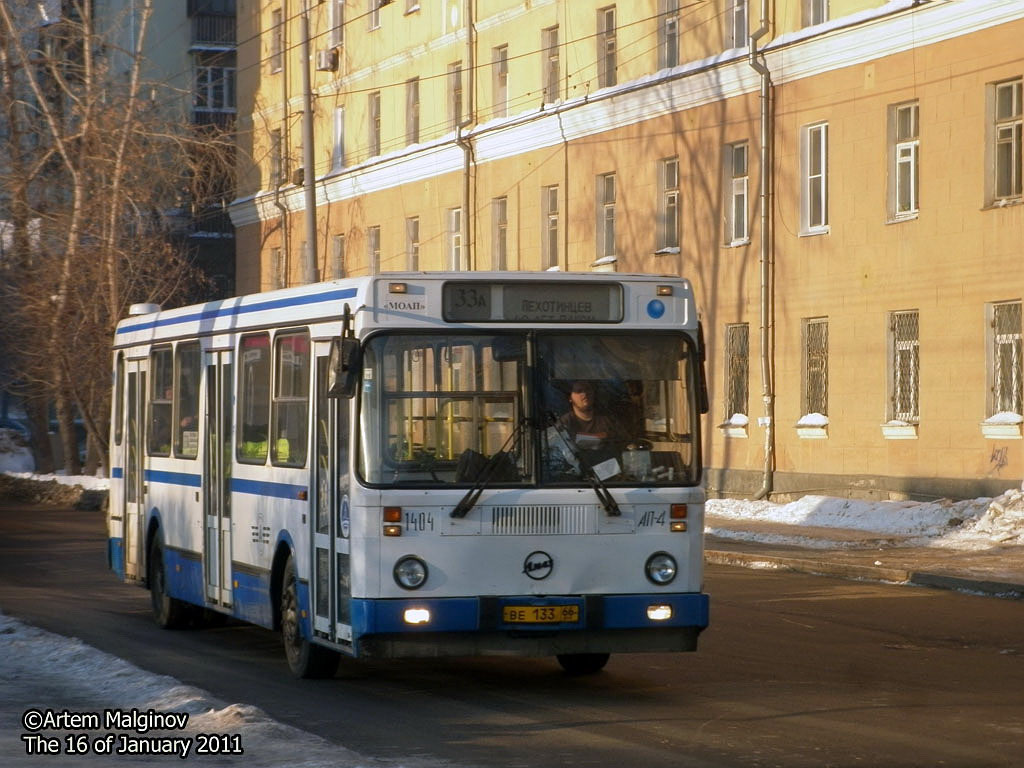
<point x="582" y="663"/>
<point x="305" y="659"/>
<point x="169" y="612"/>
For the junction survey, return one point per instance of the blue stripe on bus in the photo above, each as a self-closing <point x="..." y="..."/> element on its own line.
<point x="250" y="598"/>
<point x="115" y="556"/>
<point x="117" y="473"/>
<point x="184" y="573"/>
<point x="264" y="488"/>
<point x="173" y="478"/>
<point x="212" y="314"/>
<point x="460" y="614"/>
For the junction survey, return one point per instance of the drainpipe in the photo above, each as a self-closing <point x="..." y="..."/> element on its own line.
<point x="767" y="267"/>
<point x="464" y="143"/>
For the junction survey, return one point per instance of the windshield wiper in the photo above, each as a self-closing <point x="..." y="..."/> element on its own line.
<point x="483" y="478"/>
<point x="603" y="494"/>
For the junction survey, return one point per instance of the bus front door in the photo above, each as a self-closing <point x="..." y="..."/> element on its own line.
<point x="331" y="585"/>
<point x="217" y="478"/>
<point x="134" y="469"/>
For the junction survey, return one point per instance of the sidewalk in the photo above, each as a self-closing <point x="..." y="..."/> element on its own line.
<point x="853" y="554"/>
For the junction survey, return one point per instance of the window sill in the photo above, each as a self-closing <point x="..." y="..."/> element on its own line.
<point x="899" y="219"/>
<point x="811" y="433"/>
<point x="738" y="243"/>
<point x="1006" y="202"/>
<point x="730" y="430"/>
<point x="815" y="232"/>
<point x="413" y="9"/>
<point x="1000" y="431"/>
<point x="899" y="431"/>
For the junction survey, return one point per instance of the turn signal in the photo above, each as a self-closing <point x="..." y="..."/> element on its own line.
<point x="678" y="511"/>
<point x="392" y="514"/>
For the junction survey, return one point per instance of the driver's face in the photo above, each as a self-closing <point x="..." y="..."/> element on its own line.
<point x="582" y="395"/>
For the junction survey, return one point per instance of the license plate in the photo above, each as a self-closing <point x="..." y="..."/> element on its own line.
<point x="541" y="614"/>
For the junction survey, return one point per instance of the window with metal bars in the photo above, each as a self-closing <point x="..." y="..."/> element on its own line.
<point x="737" y="374"/>
<point x="815" y="366"/>
<point x="1006" y="358"/>
<point x="904" y="386"/>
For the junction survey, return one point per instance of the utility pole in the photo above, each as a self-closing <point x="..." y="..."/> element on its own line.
<point x="309" y="260"/>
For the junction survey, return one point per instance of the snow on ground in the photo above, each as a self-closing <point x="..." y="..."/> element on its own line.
<point x="42" y="671"/>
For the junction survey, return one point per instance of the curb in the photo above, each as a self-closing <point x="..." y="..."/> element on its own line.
<point x="866" y="572"/>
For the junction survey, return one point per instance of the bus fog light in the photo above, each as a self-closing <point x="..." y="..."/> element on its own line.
<point x="416" y="616"/>
<point x="410" y="572"/>
<point x="678" y="526"/>
<point x="659" y="612"/>
<point x="661" y="568"/>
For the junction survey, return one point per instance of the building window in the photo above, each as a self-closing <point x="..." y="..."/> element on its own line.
<point x="668" y="43"/>
<point x="375" y="13"/>
<point x="1006" y="141"/>
<point x="455" y="239"/>
<point x="815" y="366"/>
<point x="412" y="111"/>
<point x="374" y="123"/>
<point x="736" y="178"/>
<point x="500" y="63"/>
<point x="412" y="243"/>
<point x="337" y="267"/>
<point x="552" y="78"/>
<point x="905" y="158"/>
<point x="1005" y="364"/>
<point x="277" y="169"/>
<point x="454" y="95"/>
<point x="499" y="224"/>
<point x="215" y="87"/>
<point x="373" y="249"/>
<point x="737" y="374"/>
<point x="815" y="12"/>
<point x="276" y="40"/>
<point x="606" y="62"/>
<point x="814" y="201"/>
<point x="904" y="384"/>
<point x="668" y="204"/>
<point x="606" y="216"/>
<point x="549" y="244"/>
<point x="338" y="149"/>
<point x="738" y="28"/>
<point x="278" y="269"/>
<point x="337" y="22"/>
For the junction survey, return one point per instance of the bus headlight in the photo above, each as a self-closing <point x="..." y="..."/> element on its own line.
<point x="660" y="568"/>
<point x="410" y="572"/>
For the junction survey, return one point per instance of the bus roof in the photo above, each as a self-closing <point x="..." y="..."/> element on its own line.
<point x="420" y="300"/>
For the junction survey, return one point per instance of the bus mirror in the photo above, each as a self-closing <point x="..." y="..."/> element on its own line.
<point x="343" y="367"/>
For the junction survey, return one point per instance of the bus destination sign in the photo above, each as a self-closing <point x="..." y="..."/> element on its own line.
<point x="516" y="302"/>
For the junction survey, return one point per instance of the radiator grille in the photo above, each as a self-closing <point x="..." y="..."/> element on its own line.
<point x="540" y="519"/>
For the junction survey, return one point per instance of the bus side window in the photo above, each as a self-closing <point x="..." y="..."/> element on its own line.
<point x="254" y="398"/>
<point x="186" y="425"/>
<point x="160" y="401"/>
<point x="290" y="409"/>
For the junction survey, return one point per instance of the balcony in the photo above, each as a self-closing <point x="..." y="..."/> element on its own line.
<point x="213" y="32"/>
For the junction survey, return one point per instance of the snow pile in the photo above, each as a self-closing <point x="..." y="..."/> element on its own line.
<point x="1002" y="523"/>
<point x="15" y="455"/>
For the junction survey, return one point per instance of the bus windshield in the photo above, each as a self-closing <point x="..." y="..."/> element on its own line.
<point x="524" y="409"/>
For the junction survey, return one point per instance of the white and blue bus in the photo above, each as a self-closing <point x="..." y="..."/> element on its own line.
<point x="404" y="465"/>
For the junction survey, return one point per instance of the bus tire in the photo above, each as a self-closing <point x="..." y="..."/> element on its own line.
<point x="582" y="663"/>
<point x="305" y="659"/>
<point x="169" y="612"/>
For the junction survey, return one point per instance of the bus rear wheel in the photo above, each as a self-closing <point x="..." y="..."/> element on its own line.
<point x="305" y="659"/>
<point x="582" y="663"/>
<point x="169" y="612"/>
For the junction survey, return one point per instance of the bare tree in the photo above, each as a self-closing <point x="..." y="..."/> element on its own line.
<point x="94" y="183"/>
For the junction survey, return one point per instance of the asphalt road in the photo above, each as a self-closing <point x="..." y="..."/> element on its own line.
<point x="795" y="670"/>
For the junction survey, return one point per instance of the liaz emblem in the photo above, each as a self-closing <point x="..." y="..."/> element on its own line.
<point x="538" y="565"/>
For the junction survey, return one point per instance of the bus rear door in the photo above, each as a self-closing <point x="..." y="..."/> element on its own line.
<point x="217" y="478"/>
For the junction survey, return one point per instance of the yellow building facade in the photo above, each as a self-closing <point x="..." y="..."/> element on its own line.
<point x="840" y="179"/>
